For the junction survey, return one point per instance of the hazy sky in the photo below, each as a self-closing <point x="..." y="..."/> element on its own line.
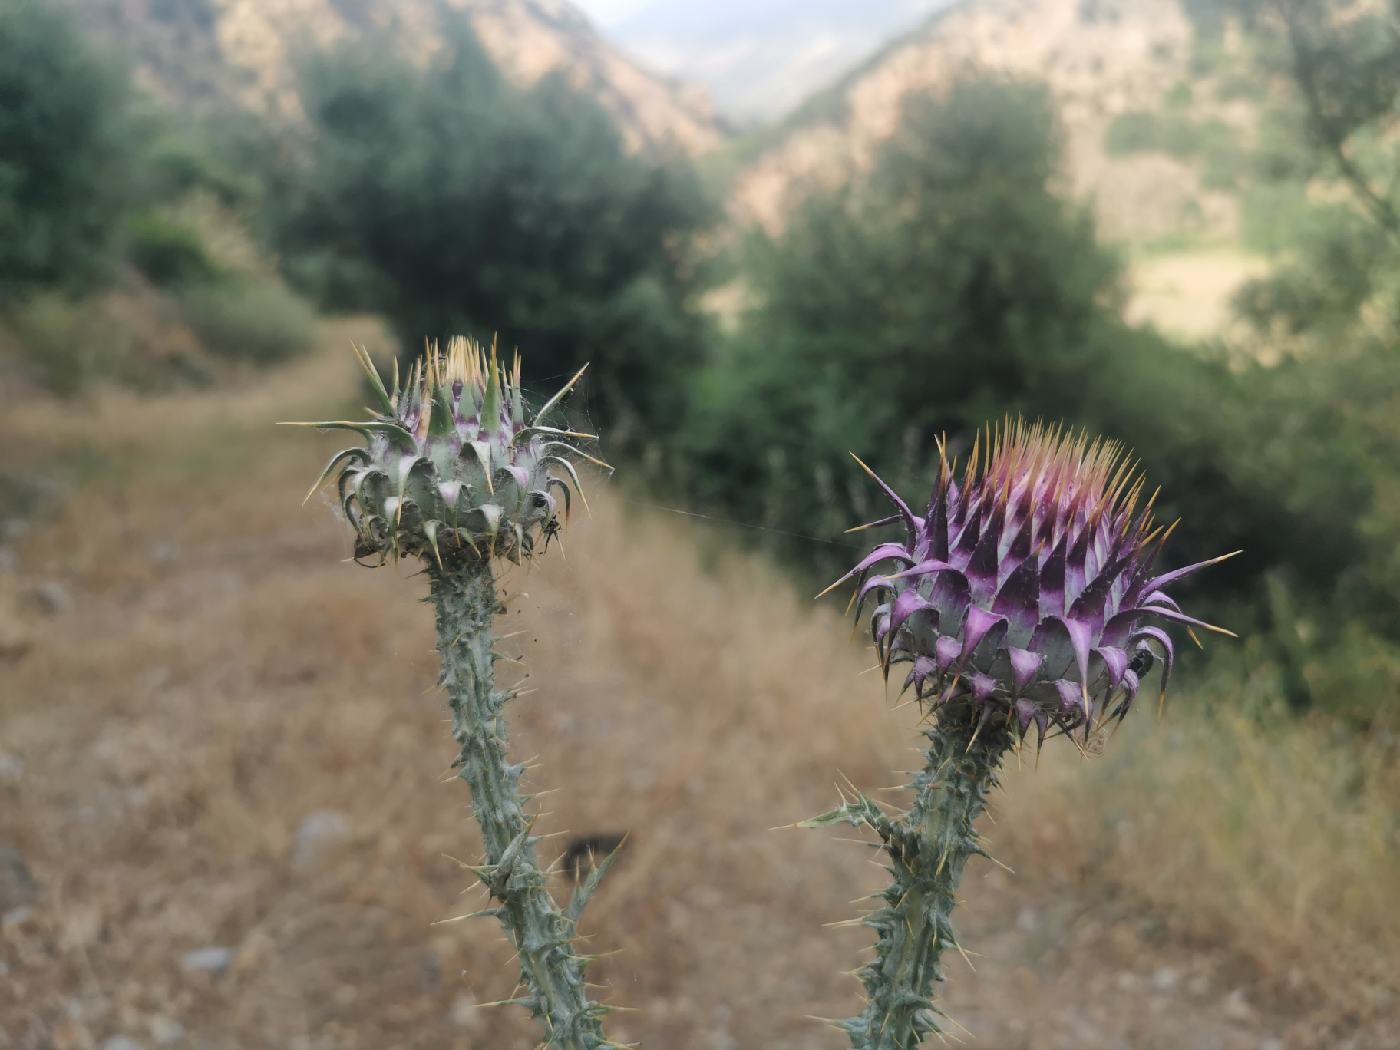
<point x="606" y="12"/>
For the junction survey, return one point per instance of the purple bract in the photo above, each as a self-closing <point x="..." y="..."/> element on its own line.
<point x="1028" y="590"/>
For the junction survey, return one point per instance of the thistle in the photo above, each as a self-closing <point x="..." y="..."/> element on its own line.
<point x="451" y="473"/>
<point x="1024" y="598"/>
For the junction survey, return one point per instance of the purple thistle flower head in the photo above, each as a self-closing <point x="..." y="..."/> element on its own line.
<point x="1027" y="590"/>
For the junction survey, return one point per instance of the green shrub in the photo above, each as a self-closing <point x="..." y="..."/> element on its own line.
<point x="246" y="321"/>
<point x="455" y="202"/>
<point x="1180" y="96"/>
<point x="62" y="341"/>
<point x="181" y="158"/>
<point x="168" y="253"/>
<point x="1132" y="132"/>
<point x="63" y="163"/>
<point x="334" y="281"/>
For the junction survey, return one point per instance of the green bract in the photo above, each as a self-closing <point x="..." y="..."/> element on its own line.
<point x="450" y="469"/>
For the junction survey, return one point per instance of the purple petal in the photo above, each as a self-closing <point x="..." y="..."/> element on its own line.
<point x="1076" y="567"/>
<point x="977" y="626"/>
<point x="1019" y="598"/>
<point x="982" y="567"/>
<point x="1080" y="641"/>
<point x="1025" y="714"/>
<point x="1089" y="606"/>
<point x="1079" y="636"/>
<point x="924" y="669"/>
<point x="1071" y="697"/>
<point x="1158" y="582"/>
<point x="937" y="520"/>
<point x="880" y="623"/>
<point x="1052" y="641"/>
<point x="1115" y="661"/>
<point x="1021" y="545"/>
<point x="950" y="595"/>
<point x="1163" y="599"/>
<point x="1118" y="627"/>
<point x="910" y="522"/>
<point x="1130" y="689"/>
<point x="1171" y="614"/>
<point x="875" y="583"/>
<point x="982" y="686"/>
<point x="1052" y="580"/>
<point x="927" y="567"/>
<point x="906" y="605"/>
<point x="881" y="553"/>
<point x="971" y="532"/>
<point x="1024" y="665"/>
<point x="945" y="651"/>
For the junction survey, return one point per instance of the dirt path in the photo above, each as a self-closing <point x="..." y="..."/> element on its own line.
<point x="227" y="782"/>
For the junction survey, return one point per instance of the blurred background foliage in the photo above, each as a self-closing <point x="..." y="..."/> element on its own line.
<point x="954" y="282"/>
<point x="455" y="202"/>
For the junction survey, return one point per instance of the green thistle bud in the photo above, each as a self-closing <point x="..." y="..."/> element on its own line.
<point x="451" y="473"/>
<point x="450" y="470"/>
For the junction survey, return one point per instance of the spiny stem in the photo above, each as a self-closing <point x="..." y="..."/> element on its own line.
<point x="467" y="603"/>
<point x="928" y="847"/>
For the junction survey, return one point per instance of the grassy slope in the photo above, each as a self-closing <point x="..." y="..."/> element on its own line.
<point x="222" y="673"/>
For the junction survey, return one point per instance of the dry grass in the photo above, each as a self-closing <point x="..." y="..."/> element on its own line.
<point x="1187" y="293"/>
<point x="221" y="675"/>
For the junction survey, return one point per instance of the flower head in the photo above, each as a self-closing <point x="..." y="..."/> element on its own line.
<point x="1027" y="590"/>
<point x="450" y="469"/>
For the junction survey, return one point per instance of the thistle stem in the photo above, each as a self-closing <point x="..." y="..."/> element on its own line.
<point x="928" y="847"/>
<point x="466" y="603"/>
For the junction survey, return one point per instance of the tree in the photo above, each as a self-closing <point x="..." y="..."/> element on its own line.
<point x="62" y="159"/>
<point x="949" y="286"/>
<point x="1343" y="63"/>
<point x="465" y="204"/>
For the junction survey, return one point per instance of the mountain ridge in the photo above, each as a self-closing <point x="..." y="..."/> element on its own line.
<point x="758" y="61"/>
<point x="211" y="54"/>
<point x="1099" y="60"/>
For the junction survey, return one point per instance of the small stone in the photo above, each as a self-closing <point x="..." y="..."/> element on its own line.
<point x="318" y="833"/>
<point x="11" y="769"/>
<point x="163" y="552"/>
<point x="1027" y="920"/>
<point x="166" y="1030"/>
<point x="1271" y="1044"/>
<point x="17" y="886"/>
<point x="16" y="916"/>
<point x="120" y="1042"/>
<point x="9" y="560"/>
<point x="1164" y="980"/>
<point x="1127" y="982"/>
<point x="214" y="959"/>
<point x="51" y="598"/>
<point x="1198" y="985"/>
<point x="1237" y="1007"/>
<point x="465" y="1013"/>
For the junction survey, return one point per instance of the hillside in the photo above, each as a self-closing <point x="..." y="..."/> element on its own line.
<point x="1107" y="63"/>
<point x="217" y="53"/>
<point x="1100" y="60"/>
